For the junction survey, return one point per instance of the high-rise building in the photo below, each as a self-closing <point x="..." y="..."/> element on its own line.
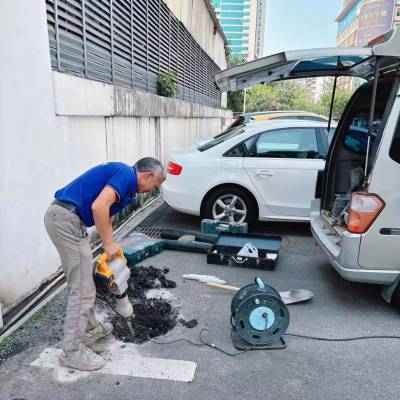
<point x="261" y="17"/>
<point x="360" y="21"/>
<point x="316" y="87"/>
<point x="243" y="22"/>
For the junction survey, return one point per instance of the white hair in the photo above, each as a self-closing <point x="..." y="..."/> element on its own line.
<point x="150" y="164"/>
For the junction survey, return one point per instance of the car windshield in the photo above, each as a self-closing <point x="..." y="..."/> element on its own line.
<point x="221" y="138"/>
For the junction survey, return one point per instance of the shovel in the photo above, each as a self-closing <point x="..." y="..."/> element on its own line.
<point x="288" y="296"/>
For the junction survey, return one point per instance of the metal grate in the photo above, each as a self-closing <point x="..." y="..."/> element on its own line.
<point x="154" y="233"/>
<point x="128" y="43"/>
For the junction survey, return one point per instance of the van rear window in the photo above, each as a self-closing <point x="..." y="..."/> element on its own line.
<point x="356" y="139"/>
<point x="394" y="151"/>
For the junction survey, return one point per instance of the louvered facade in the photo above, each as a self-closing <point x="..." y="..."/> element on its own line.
<point x="128" y="43"/>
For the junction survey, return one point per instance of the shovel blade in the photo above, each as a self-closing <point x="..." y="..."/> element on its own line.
<point x="296" y="296"/>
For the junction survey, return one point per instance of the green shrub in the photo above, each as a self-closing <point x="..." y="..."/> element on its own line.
<point x="166" y="85"/>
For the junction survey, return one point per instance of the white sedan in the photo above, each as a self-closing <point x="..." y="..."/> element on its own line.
<point x="260" y="171"/>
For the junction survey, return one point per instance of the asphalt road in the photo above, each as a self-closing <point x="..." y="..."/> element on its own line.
<point x="307" y="369"/>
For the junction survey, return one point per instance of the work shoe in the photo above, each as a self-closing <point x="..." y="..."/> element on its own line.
<point x="101" y="330"/>
<point x="83" y="359"/>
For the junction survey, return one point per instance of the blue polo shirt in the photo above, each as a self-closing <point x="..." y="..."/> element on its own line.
<point x="83" y="191"/>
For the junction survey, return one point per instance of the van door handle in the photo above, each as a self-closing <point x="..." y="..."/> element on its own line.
<point x="263" y="173"/>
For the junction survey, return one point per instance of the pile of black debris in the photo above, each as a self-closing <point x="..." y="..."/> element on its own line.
<point x="152" y="316"/>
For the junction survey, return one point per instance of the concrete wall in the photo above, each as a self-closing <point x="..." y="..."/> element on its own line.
<point x="55" y="126"/>
<point x="195" y="15"/>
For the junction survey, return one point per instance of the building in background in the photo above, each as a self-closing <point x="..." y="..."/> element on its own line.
<point x="317" y="86"/>
<point x="243" y="22"/>
<point x="261" y="16"/>
<point x="360" y="21"/>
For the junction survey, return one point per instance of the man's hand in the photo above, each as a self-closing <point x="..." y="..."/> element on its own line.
<point x="112" y="250"/>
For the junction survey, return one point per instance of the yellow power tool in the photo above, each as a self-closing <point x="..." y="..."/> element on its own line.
<point x="112" y="277"/>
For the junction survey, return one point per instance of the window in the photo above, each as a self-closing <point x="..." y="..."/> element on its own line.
<point x="302" y="117"/>
<point x="287" y="117"/>
<point x="231" y="22"/>
<point x="236" y="42"/>
<point x="233" y="29"/>
<point x="330" y="134"/>
<point x="356" y="138"/>
<point x="236" y="1"/>
<point x="235" y="49"/>
<point x="230" y="7"/>
<point x="242" y="149"/>
<point x="353" y="134"/>
<point x="394" y="151"/>
<point x="233" y="35"/>
<point x="318" y="119"/>
<point x="221" y="138"/>
<point x="235" y="124"/>
<point x="288" y="143"/>
<point x="227" y="14"/>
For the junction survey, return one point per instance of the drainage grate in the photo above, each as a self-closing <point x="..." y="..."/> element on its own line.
<point x="154" y="233"/>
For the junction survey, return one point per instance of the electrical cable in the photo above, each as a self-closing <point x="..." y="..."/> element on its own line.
<point x="345" y="339"/>
<point x="348" y="339"/>
<point x="202" y="343"/>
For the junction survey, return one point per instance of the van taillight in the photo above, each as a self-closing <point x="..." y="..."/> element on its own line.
<point x="174" y="169"/>
<point x="364" y="209"/>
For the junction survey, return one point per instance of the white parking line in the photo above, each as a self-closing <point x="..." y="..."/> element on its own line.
<point x="122" y="359"/>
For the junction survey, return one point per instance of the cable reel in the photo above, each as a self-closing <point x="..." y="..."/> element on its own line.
<point x="259" y="317"/>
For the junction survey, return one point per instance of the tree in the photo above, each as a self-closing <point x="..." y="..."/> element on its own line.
<point x="236" y="98"/>
<point x="291" y="95"/>
<point x="235" y="59"/>
<point x="261" y="98"/>
<point x="235" y="101"/>
<point x="284" y="95"/>
<point x="287" y="95"/>
<point x="342" y="97"/>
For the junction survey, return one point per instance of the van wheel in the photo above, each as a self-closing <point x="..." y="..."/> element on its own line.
<point x="231" y="204"/>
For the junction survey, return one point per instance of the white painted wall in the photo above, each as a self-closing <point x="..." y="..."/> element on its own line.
<point x="29" y="147"/>
<point x="55" y="126"/>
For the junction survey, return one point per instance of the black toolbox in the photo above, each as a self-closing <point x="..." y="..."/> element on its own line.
<point x="228" y="245"/>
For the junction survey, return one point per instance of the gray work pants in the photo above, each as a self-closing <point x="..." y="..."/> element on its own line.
<point x="69" y="235"/>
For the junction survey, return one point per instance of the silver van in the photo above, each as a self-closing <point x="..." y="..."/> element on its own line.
<point x="355" y="217"/>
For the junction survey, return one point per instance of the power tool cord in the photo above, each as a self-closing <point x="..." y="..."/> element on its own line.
<point x="202" y="343"/>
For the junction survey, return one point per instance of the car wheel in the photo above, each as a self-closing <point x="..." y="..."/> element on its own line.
<point x="395" y="299"/>
<point x="231" y="205"/>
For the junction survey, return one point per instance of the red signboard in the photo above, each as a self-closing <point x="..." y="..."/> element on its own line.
<point x="376" y="17"/>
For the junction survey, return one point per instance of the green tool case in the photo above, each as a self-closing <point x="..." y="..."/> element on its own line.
<point x="137" y="247"/>
<point x="215" y="227"/>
